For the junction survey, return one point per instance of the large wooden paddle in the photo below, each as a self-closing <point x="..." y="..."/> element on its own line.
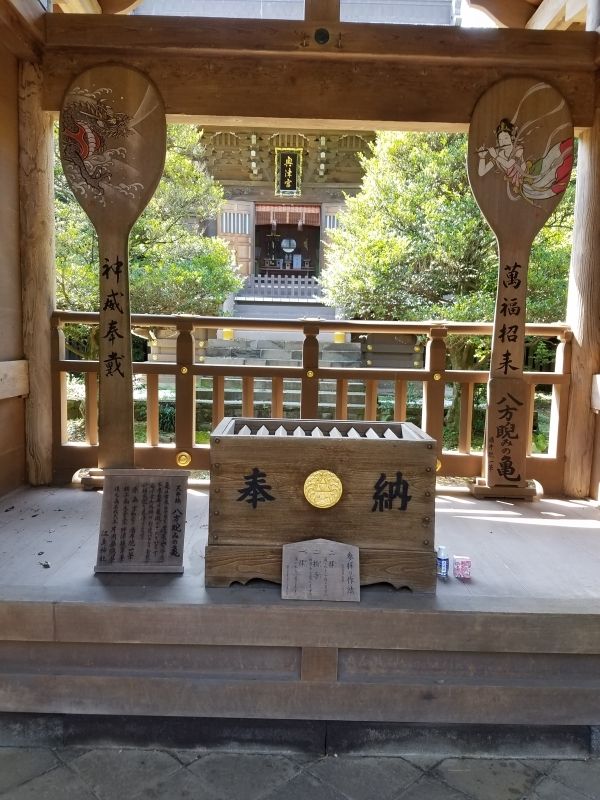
<point x="519" y="162"/>
<point x="112" y="147"/>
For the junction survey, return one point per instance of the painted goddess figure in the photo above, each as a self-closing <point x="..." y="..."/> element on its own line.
<point x="533" y="178"/>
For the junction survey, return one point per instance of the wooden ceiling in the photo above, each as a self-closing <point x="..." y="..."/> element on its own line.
<point x="95" y="6"/>
<point x="533" y="14"/>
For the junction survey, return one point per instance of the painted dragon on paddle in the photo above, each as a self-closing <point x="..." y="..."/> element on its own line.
<point x="89" y="127"/>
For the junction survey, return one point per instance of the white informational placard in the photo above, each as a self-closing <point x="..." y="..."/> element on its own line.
<point x="320" y="569"/>
<point x="142" y="525"/>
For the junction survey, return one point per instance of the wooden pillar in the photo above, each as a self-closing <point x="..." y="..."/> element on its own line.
<point x="185" y="395"/>
<point x="434" y="388"/>
<point x="583" y="303"/>
<point x="322" y="10"/>
<point x="309" y="396"/>
<point x="36" y="178"/>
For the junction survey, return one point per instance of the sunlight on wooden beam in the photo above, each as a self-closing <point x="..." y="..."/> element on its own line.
<point x="78" y="6"/>
<point x="506" y="13"/>
<point x="550" y="14"/>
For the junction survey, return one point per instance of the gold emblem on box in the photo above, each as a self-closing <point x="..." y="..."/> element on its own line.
<point x="322" y="488"/>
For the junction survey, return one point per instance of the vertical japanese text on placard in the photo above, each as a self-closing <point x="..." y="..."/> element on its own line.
<point x="507" y="434"/>
<point x="143" y="522"/>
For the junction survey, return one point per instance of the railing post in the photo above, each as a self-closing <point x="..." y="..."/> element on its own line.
<point x="218" y="399"/>
<point x="152" y="415"/>
<point x="400" y="401"/>
<point x="248" y="396"/>
<point x="185" y="405"/>
<point x="467" y="391"/>
<point x="277" y="397"/>
<point x="529" y="415"/>
<point x="309" y="398"/>
<point x="91" y="407"/>
<point x="59" y="390"/>
<point x="560" y="400"/>
<point x="341" y="399"/>
<point x="435" y="385"/>
<point x="371" y="388"/>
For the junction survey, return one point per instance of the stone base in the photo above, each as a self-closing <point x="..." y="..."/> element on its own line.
<point x="531" y="490"/>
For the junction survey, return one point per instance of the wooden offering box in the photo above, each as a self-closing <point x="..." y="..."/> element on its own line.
<point x="278" y="481"/>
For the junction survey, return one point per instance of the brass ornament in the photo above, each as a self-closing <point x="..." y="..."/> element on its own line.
<point x="322" y="488"/>
<point x="183" y="459"/>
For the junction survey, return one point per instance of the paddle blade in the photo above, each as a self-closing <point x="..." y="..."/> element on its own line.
<point x="520" y="155"/>
<point x="112" y="144"/>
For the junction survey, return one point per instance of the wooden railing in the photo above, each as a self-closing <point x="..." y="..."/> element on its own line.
<point x="279" y="288"/>
<point x="434" y="377"/>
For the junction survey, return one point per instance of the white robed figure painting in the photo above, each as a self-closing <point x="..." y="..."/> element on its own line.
<point x="529" y="175"/>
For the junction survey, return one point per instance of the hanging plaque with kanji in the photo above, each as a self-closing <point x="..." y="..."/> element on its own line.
<point x="288" y="172"/>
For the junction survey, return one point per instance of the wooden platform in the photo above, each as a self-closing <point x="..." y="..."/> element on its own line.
<point x="518" y="644"/>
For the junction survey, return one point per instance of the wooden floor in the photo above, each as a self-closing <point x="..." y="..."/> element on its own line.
<point x="518" y="644"/>
<point x="547" y="549"/>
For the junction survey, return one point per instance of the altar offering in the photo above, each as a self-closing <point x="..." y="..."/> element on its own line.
<point x="461" y="567"/>
<point x="278" y="481"/>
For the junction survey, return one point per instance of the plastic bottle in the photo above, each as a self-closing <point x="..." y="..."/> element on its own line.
<point x="443" y="563"/>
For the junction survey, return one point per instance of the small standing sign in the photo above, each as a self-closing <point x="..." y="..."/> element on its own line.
<point x="142" y="525"/>
<point x="320" y="569"/>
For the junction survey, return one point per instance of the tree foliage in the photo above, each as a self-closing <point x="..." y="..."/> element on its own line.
<point x="414" y="245"/>
<point x="173" y="267"/>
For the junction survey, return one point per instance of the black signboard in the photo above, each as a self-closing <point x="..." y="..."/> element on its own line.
<point x="288" y="172"/>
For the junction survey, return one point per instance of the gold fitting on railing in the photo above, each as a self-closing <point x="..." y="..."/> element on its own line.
<point x="438" y="465"/>
<point x="417" y="348"/>
<point x="437" y="376"/>
<point x="310" y="373"/>
<point x="183" y="459"/>
<point x="201" y="343"/>
<point x="184" y="370"/>
<point x="369" y="347"/>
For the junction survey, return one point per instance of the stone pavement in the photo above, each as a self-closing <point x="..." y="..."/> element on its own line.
<point x="74" y="773"/>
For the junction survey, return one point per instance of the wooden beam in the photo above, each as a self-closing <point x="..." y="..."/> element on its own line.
<point x="409" y="96"/>
<point x="322" y="10"/>
<point x="506" y="13"/>
<point x="123" y="36"/>
<point x="118" y="6"/>
<point x="244" y="70"/>
<point x="575" y="11"/>
<point x="592" y="20"/>
<point x="21" y="28"/>
<point x="548" y="15"/>
<point x="14" y="379"/>
<point x="79" y="6"/>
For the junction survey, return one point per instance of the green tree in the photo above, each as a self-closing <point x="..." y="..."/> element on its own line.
<point x="414" y="245"/>
<point x="173" y="267"/>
